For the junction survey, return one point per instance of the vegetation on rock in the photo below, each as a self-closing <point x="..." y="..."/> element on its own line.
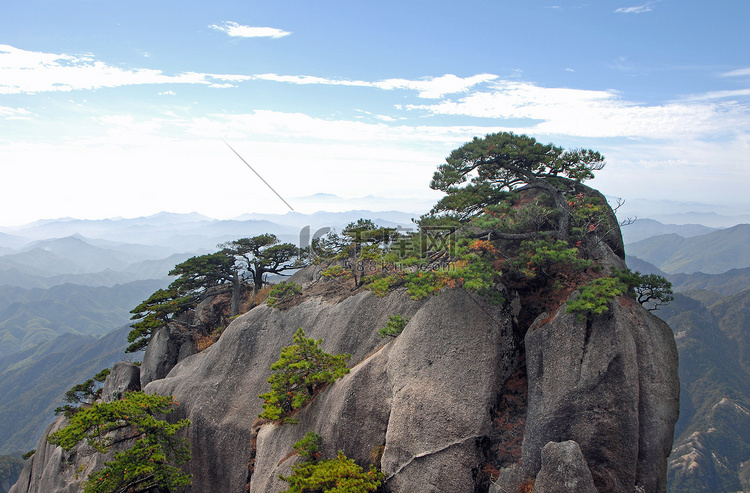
<point x="153" y="313"/>
<point x="596" y="296"/>
<point x="302" y="369"/>
<point x="153" y="449"/>
<point x="261" y="255"/>
<point x="339" y="475"/>
<point x="394" y="326"/>
<point x="650" y="290"/>
<point x="336" y="271"/>
<point x="281" y="292"/>
<point x="211" y="275"/>
<point x="482" y="172"/>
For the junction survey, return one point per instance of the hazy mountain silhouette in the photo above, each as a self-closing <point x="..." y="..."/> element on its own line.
<point x="712" y="253"/>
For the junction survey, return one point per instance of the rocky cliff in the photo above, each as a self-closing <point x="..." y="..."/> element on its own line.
<point x="431" y="407"/>
<point x="491" y="387"/>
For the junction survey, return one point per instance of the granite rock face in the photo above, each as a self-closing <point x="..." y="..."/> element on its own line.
<point x="611" y="385"/>
<point x="218" y="389"/>
<point x="422" y="402"/>
<point x="423" y="406"/>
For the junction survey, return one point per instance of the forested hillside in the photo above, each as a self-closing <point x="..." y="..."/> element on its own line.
<point x="29" y="317"/>
<point x="712" y="253"/>
<point x="33" y="382"/>
<point x="712" y="435"/>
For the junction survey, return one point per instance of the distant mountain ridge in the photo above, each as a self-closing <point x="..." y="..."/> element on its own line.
<point x="713" y="253"/>
<point x="646" y="228"/>
<point x="191" y="232"/>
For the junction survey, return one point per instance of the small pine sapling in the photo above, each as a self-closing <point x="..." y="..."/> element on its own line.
<point x="301" y="370"/>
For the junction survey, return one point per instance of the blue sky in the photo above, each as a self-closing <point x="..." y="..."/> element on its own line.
<point x="115" y="108"/>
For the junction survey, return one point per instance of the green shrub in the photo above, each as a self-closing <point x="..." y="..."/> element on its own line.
<point x="588" y="214"/>
<point x="382" y="285"/>
<point x="471" y="269"/>
<point x="545" y="257"/>
<point x="339" y="475"/>
<point x="283" y="291"/>
<point x="394" y="326"/>
<point x="422" y="284"/>
<point x="596" y="296"/>
<point x="335" y="272"/>
<point x="307" y="447"/>
<point x="301" y="369"/>
<point x="504" y="218"/>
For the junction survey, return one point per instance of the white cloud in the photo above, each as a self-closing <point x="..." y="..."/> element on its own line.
<point x="167" y="93"/>
<point x="237" y="30"/>
<point x="428" y="87"/>
<point x="589" y="113"/>
<point x="282" y="126"/>
<point x="14" y="113"/>
<point x="32" y="72"/>
<point x="640" y="9"/>
<point x="309" y="79"/>
<point x="741" y="72"/>
<point x="735" y="93"/>
<point x="232" y="77"/>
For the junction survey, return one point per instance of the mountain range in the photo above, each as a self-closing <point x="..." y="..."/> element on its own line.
<point x="712" y="253"/>
<point x="712" y="436"/>
<point x="31" y="316"/>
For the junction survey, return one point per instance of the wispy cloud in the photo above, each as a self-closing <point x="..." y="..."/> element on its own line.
<point x="734" y="93"/>
<point x="640" y="9"/>
<point x="32" y="72"/>
<point x="505" y="103"/>
<point x="237" y="30"/>
<point x="428" y="87"/>
<point x="740" y="72"/>
<point x="14" y="113"/>
<point x="589" y="113"/>
<point x="29" y="72"/>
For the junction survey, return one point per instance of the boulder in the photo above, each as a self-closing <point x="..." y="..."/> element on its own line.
<point x="609" y="383"/>
<point x="123" y="377"/>
<point x="564" y="470"/>
<point x="161" y="355"/>
<point x="187" y="348"/>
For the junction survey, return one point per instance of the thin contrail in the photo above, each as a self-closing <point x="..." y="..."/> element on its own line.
<point x="258" y="175"/>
